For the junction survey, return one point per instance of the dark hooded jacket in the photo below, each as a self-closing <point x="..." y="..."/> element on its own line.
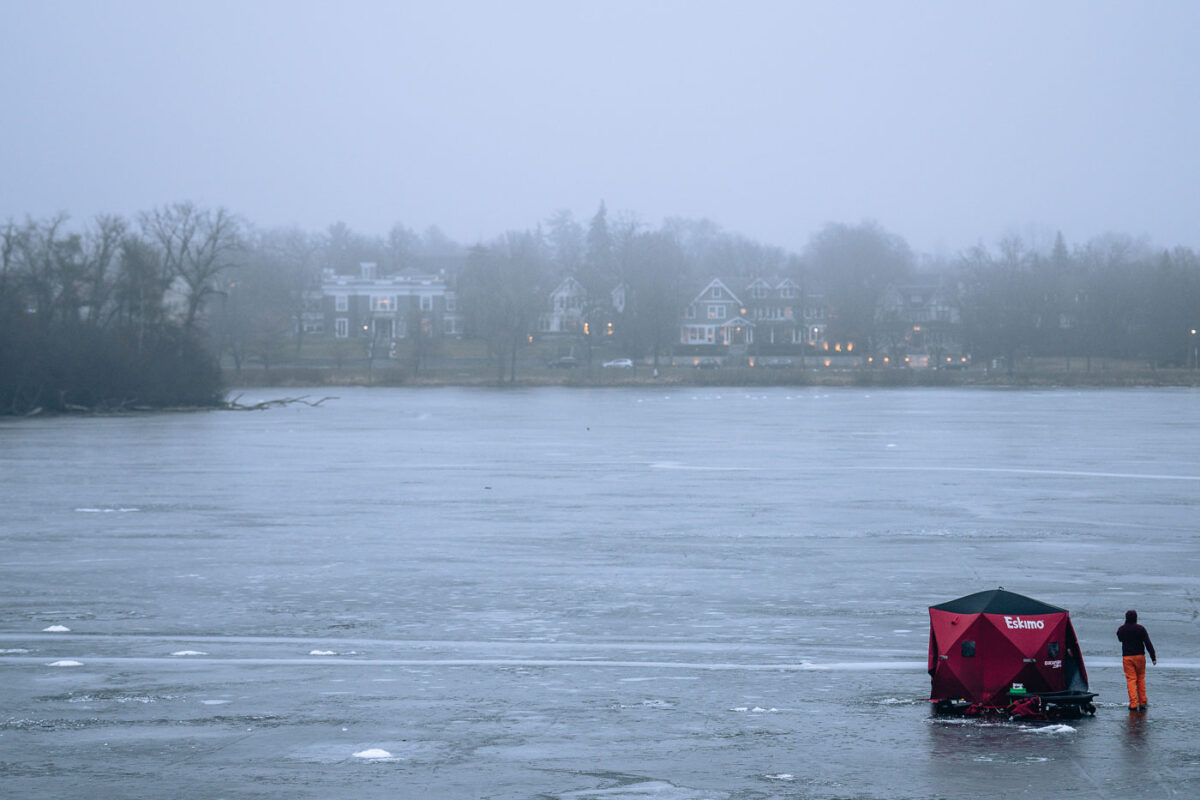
<point x="1134" y="639"/>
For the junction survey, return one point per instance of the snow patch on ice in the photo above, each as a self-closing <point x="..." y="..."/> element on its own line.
<point x="106" y="510"/>
<point x="755" y="710"/>
<point x="675" y="465"/>
<point x="783" y="776"/>
<point x="189" y="653"/>
<point x="1051" y="729"/>
<point x="13" y="650"/>
<point x="321" y="653"/>
<point x="373" y="753"/>
<point x="214" y="702"/>
<point x="65" y="663"/>
<point x="56" y="629"/>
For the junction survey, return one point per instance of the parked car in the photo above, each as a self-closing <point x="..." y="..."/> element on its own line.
<point x="619" y="363"/>
<point x="777" y="363"/>
<point x="961" y="362"/>
<point x="563" y="362"/>
<point x="707" y="363"/>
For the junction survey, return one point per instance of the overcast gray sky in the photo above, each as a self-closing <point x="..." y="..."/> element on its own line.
<point x="948" y="123"/>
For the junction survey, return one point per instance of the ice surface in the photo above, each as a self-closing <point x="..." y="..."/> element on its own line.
<point x="641" y="564"/>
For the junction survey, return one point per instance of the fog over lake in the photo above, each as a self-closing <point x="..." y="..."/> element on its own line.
<point x="949" y="123"/>
<point x="584" y="593"/>
<point x="625" y="590"/>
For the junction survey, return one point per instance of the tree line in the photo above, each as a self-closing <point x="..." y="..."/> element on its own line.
<point x="85" y="318"/>
<point x="1112" y="297"/>
<point x="137" y="312"/>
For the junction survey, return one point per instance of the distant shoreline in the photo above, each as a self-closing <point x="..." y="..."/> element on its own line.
<point x="293" y="378"/>
<point x="643" y="377"/>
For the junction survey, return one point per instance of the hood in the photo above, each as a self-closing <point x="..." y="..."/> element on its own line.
<point x="1130" y="617"/>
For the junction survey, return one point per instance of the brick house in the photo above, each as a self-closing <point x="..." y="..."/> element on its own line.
<point x="369" y="307"/>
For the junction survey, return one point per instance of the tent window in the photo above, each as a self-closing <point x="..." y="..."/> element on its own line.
<point x="968" y="649"/>
<point x="1052" y="650"/>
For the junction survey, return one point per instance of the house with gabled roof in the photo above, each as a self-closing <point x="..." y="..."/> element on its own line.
<point x="765" y="314"/>
<point x="567" y="303"/>
<point x="919" y="325"/>
<point x="716" y="316"/>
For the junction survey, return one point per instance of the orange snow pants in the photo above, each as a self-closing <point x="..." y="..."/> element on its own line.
<point x="1135" y="679"/>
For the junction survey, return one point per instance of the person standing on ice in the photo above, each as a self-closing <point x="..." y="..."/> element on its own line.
<point x="1134" y="644"/>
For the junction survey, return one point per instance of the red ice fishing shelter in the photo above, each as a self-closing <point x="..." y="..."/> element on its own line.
<point x="981" y="644"/>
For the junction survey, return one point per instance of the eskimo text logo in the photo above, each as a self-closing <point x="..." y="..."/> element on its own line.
<point x="1016" y="623"/>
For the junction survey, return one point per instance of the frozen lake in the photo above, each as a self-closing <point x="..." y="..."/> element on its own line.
<point x="562" y="593"/>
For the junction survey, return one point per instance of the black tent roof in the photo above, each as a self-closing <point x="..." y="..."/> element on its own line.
<point x="997" y="601"/>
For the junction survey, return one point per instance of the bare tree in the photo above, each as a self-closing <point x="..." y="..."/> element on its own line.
<point x="658" y="284"/>
<point x="140" y="284"/>
<point x="101" y="255"/>
<point x="503" y="288"/>
<point x="855" y="263"/>
<point x="197" y="245"/>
